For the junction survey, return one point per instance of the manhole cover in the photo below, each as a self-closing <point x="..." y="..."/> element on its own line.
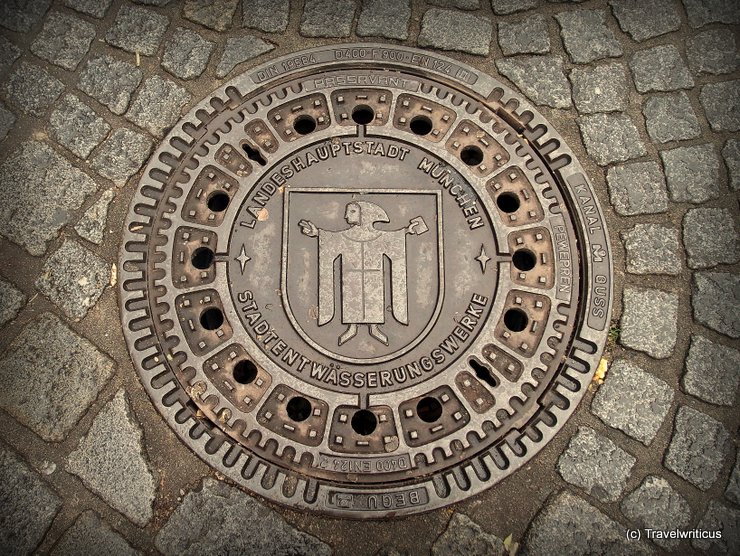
<point x="365" y="280"/>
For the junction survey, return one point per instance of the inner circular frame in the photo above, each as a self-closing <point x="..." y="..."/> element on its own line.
<point x="159" y="362"/>
<point x="234" y="268"/>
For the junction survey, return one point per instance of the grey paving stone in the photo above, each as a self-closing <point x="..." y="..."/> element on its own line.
<point x="715" y="298"/>
<point x="51" y="376"/>
<point x="660" y="69"/>
<point x="214" y="14"/>
<point x="601" y="88"/>
<point x="720" y="518"/>
<point x="655" y="504"/>
<point x="122" y="155"/>
<point x="152" y="2"/>
<point x="31" y="216"/>
<point x="570" y="525"/>
<point x="503" y="7"/>
<point x="29" y="505"/>
<point x="692" y="173"/>
<point x="327" y="18"/>
<point x="713" y="52"/>
<point x="649" y="321"/>
<point x="645" y="19"/>
<point x="91" y="535"/>
<point x="137" y="29"/>
<point x="32" y="89"/>
<point x="7" y="120"/>
<point x="721" y="103"/>
<point x="270" y="16"/>
<point x="540" y="78"/>
<point x="611" y="138"/>
<point x="74" y="278"/>
<point x="462" y="4"/>
<point x="464" y="537"/>
<point x="710" y="238"/>
<point x="94" y="8"/>
<point x="452" y="30"/>
<point x="595" y="464"/>
<point x="21" y="15"/>
<point x="186" y="54"/>
<point x="238" y="524"/>
<point x="76" y="126"/>
<point x="12" y="301"/>
<point x="526" y="36"/>
<point x="110" y="81"/>
<point x="64" y="40"/>
<point x="731" y="154"/>
<point x="586" y="36"/>
<point x="670" y="118"/>
<point x="637" y="188"/>
<point x="111" y="463"/>
<point x="701" y="12"/>
<point x="732" y="492"/>
<point x="9" y="53"/>
<point x="712" y="371"/>
<point x="652" y="249"/>
<point x="158" y="105"/>
<point x="380" y="18"/>
<point x="241" y="49"/>
<point x="639" y="415"/>
<point x="698" y="448"/>
<point x="92" y="224"/>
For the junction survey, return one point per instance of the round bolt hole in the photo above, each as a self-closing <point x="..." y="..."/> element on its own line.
<point x="212" y="318"/>
<point x="304" y="124"/>
<point x="471" y="155"/>
<point x="508" y="202"/>
<point x="218" y="201"/>
<point x="421" y="125"/>
<point x="515" y="320"/>
<point x="364" y="422"/>
<point x="299" y="409"/>
<point x="363" y="114"/>
<point x="524" y="259"/>
<point x="245" y="372"/>
<point x="202" y="258"/>
<point x="429" y="409"/>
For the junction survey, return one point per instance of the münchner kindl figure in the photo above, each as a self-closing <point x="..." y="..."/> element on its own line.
<point x="365" y="255"/>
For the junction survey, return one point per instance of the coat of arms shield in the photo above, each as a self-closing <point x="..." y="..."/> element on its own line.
<point x="362" y="270"/>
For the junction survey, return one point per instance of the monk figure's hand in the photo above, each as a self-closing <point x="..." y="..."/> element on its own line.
<point x="308" y="228"/>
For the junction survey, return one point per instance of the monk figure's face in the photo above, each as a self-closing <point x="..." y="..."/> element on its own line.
<point x="352" y="214"/>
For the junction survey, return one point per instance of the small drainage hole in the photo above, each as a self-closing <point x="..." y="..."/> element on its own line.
<point x="304" y="125"/>
<point x="254" y="154"/>
<point x="471" y="155"/>
<point x="421" y="125"/>
<point x="299" y="409"/>
<point x="245" y="372"/>
<point x="364" y="422"/>
<point x="483" y="373"/>
<point x="515" y="320"/>
<point x="524" y="259"/>
<point x="363" y="114"/>
<point x="211" y="319"/>
<point x="218" y="201"/>
<point x="508" y="202"/>
<point x="429" y="409"/>
<point x="202" y="258"/>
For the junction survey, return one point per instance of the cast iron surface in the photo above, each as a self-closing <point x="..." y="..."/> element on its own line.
<point x="365" y="280"/>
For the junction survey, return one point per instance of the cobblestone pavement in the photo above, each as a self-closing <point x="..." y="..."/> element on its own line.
<point x="646" y="92"/>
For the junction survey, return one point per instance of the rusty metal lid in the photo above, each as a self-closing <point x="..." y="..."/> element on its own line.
<point x="365" y="280"/>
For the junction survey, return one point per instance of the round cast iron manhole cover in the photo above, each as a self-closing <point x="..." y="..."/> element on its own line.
<point x="365" y="280"/>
